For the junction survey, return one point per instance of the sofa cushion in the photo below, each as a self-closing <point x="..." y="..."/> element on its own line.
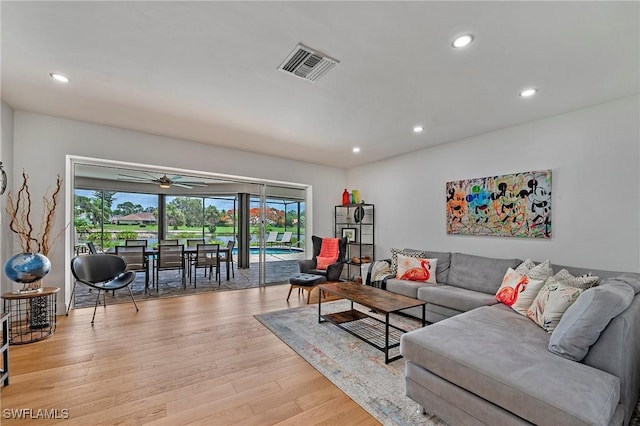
<point x="583" y="322"/>
<point x="552" y="301"/>
<point x="405" y="287"/>
<point x="628" y="278"/>
<point x="502" y="357"/>
<point x="479" y="273"/>
<point x="443" y="265"/>
<point x="435" y="313"/>
<point x="456" y="298"/>
<point x="416" y="269"/>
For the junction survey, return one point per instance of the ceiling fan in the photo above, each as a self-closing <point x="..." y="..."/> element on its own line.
<point x="164" y="181"/>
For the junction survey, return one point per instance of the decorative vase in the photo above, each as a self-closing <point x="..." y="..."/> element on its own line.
<point x="346" y="198"/>
<point x="27" y="268"/>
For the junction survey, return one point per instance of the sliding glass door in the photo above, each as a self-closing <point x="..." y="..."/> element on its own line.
<point x="278" y="225"/>
<point x="116" y="201"/>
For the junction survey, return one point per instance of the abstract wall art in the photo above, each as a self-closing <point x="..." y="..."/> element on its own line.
<point x="515" y="205"/>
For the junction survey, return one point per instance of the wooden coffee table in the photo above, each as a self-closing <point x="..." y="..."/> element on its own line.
<point x="379" y="334"/>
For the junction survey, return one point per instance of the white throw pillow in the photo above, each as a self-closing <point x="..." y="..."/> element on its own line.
<point x="518" y="291"/>
<point x="583" y="281"/>
<point x="416" y="269"/>
<point x="541" y="271"/>
<point x="552" y="301"/>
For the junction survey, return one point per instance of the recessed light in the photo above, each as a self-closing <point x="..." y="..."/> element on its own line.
<point x="418" y="129"/>
<point x="528" y="92"/>
<point x="356" y="149"/>
<point x="59" y="77"/>
<point x="462" y="41"/>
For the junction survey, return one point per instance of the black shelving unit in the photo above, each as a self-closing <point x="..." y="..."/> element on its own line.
<point x="4" y="349"/>
<point x="360" y="218"/>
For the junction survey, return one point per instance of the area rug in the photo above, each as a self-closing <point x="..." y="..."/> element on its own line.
<point x="354" y="366"/>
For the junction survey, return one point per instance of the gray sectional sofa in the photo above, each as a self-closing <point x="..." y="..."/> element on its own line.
<point x="482" y="363"/>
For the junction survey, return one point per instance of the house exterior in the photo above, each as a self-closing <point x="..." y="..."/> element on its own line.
<point x="142" y="218"/>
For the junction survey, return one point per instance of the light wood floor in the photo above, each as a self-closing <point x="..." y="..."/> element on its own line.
<point x="200" y="359"/>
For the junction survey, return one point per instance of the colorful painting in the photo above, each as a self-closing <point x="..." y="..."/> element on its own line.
<point x="516" y="205"/>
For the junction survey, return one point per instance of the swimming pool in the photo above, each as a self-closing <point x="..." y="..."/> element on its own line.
<point x="272" y="250"/>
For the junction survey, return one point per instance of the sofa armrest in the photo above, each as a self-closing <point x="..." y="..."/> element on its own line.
<point x="334" y="271"/>
<point x="306" y="265"/>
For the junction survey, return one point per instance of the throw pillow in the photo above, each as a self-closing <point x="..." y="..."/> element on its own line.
<point x="406" y="252"/>
<point x="416" y="269"/>
<point x="541" y="271"/>
<point x="553" y="299"/>
<point x="582" y="281"/>
<point x="518" y="291"/>
<point x="526" y="265"/>
<point x="581" y="325"/>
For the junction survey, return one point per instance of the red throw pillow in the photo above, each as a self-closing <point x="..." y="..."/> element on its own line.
<point x="329" y="251"/>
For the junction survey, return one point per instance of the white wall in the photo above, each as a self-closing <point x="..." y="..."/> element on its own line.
<point x="6" y="156"/>
<point x="42" y="142"/>
<point x="594" y="155"/>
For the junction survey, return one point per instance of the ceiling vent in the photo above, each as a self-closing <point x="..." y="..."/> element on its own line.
<point x="307" y="63"/>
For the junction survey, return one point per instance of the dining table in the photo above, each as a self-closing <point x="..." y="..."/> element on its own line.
<point x="189" y="251"/>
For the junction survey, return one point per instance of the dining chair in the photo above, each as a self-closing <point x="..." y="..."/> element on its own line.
<point x="170" y="256"/>
<point x="130" y="243"/>
<point x="136" y="259"/>
<point x="104" y="272"/>
<point x="168" y="242"/>
<point x="227" y="257"/>
<point x="207" y="256"/>
<point x="92" y="248"/>
<point x="193" y="242"/>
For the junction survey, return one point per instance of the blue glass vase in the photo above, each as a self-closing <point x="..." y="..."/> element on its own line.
<point x="26" y="268"/>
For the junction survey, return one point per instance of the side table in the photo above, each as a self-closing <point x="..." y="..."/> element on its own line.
<point x="4" y="349"/>
<point x="32" y="316"/>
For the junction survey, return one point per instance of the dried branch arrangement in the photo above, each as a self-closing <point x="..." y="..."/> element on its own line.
<point x="19" y="210"/>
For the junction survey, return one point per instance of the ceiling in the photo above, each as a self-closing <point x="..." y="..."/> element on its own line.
<point x="207" y="71"/>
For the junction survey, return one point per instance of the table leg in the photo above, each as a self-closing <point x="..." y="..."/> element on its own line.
<point x="319" y="306"/>
<point x="424" y="323"/>
<point x="386" y="339"/>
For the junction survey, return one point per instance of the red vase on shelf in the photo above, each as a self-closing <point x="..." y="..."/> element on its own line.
<point x="346" y="198"/>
